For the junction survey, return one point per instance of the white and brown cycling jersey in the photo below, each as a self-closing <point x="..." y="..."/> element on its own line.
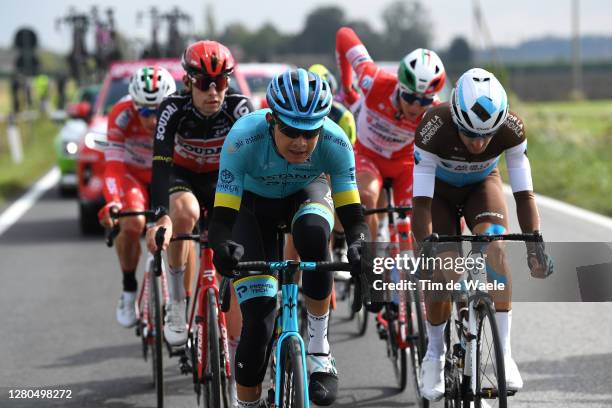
<point x="446" y="170"/>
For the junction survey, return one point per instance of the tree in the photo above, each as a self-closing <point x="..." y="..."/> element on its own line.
<point x="211" y="25"/>
<point x="459" y="56"/>
<point x="319" y="33"/>
<point x="407" y="27"/>
<point x="373" y="41"/>
<point x="264" y="44"/>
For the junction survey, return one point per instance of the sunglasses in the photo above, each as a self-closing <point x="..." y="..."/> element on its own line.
<point x="203" y="82"/>
<point x="473" y="135"/>
<point x="411" y="98"/>
<point x="294" y="133"/>
<point x="146" y="112"/>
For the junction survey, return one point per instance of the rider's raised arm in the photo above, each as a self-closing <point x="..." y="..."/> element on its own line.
<point x="168" y="116"/>
<point x="519" y="173"/>
<point x="114" y="152"/>
<point x="351" y="55"/>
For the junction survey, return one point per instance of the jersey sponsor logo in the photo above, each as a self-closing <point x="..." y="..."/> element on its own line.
<point x="111" y="185"/>
<point x="489" y="214"/>
<point x="226" y="176"/>
<point x="166" y="159"/>
<point x="358" y="55"/>
<point x="123" y="119"/>
<point x="241" y="109"/>
<point x="515" y="124"/>
<point x="162" y="122"/>
<point x="366" y="82"/>
<point x="200" y="150"/>
<point x="227" y="188"/>
<point x="339" y="141"/>
<point x="430" y="128"/>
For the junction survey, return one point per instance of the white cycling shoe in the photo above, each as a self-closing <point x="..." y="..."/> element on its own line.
<point x="175" y="326"/>
<point x="514" y="381"/>
<point x="323" y="376"/>
<point x="432" y="378"/>
<point x="126" y="309"/>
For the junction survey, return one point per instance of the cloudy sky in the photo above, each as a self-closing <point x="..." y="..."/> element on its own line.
<point x="510" y="22"/>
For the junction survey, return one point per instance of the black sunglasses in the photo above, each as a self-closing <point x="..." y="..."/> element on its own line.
<point x="411" y="98"/>
<point x="294" y="133"/>
<point x="146" y="111"/>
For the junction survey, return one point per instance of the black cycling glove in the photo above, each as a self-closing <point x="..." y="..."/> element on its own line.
<point x="226" y="256"/>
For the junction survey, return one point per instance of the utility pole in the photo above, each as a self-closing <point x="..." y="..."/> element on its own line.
<point x="576" y="92"/>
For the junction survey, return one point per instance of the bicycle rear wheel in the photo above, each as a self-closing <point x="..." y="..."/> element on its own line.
<point x="397" y="355"/>
<point x="291" y="392"/>
<point x="157" y="352"/>
<point x="490" y="369"/>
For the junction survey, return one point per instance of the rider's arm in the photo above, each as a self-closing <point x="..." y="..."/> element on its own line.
<point x="163" y="149"/>
<point x="114" y="153"/>
<point x="519" y="173"/>
<point x="340" y="161"/>
<point x="230" y="184"/>
<point x="424" y="176"/>
<point x="352" y="55"/>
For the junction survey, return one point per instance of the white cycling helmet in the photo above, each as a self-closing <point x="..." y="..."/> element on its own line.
<point x="479" y="105"/>
<point x="421" y="72"/>
<point x="150" y="85"/>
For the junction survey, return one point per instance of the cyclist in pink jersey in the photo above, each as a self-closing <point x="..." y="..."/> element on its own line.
<point x="391" y="108"/>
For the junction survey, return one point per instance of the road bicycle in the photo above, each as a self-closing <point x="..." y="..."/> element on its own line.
<point x="474" y="368"/>
<point x="401" y="322"/>
<point x="290" y="388"/>
<point x="207" y="353"/>
<point x="153" y="294"/>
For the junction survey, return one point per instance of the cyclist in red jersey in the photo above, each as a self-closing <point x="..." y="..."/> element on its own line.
<point x="127" y="175"/>
<point x="391" y="108"/>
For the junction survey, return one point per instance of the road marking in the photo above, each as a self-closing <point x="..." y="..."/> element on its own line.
<point x="12" y="214"/>
<point x="569" y="210"/>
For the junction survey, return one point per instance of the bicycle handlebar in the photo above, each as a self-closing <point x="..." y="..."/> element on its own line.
<point x="111" y="233"/>
<point x="400" y="210"/>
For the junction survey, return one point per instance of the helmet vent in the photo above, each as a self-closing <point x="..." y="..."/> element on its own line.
<point x="437" y="69"/>
<point x="499" y="116"/>
<point x="413" y="63"/>
<point x="467" y="118"/>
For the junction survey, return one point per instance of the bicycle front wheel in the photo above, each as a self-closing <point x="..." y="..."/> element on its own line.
<point x="397" y="355"/>
<point x="490" y="369"/>
<point x="157" y="352"/>
<point x="417" y="338"/>
<point x="292" y="375"/>
<point x="215" y="392"/>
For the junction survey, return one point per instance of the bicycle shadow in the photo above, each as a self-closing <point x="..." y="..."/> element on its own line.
<point x="348" y="399"/>
<point x="97" y="355"/>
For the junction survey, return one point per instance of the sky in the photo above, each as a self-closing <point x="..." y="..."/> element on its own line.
<point x="510" y="22"/>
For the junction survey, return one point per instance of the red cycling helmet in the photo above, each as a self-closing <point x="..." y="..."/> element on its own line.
<point x="208" y="58"/>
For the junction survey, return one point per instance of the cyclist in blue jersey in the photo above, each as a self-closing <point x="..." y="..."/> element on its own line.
<point x="272" y="172"/>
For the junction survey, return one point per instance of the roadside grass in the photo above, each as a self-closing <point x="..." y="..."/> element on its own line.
<point x="570" y="150"/>
<point x="39" y="156"/>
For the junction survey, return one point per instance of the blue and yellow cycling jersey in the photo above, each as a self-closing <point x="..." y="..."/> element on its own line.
<point x="250" y="161"/>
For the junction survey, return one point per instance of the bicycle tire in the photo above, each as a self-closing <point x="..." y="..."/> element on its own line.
<point x="213" y="383"/>
<point x="362" y="316"/>
<point x="292" y="375"/>
<point x="487" y="325"/>
<point x="418" y="342"/>
<point x="398" y="357"/>
<point x="157" y="352"/>
<point x="452" y="375"/>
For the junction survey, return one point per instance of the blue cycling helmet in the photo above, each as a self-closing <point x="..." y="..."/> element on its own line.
<point x="300" y="99"/>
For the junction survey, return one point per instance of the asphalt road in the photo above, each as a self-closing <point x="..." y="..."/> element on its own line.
<point x="58" y="293"/>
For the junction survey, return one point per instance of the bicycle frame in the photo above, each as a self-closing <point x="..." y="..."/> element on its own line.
<point x="289" y="323"/>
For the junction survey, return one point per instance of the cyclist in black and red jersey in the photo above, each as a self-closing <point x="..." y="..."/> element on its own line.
<point x="191" y="128"/>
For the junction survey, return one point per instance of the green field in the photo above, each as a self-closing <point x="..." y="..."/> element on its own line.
<point x="570" y="146"/>
<point x="39" y="157"/>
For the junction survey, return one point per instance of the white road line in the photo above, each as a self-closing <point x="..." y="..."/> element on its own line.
<point x="569" y="210"/>
<point x="12" y="214"/>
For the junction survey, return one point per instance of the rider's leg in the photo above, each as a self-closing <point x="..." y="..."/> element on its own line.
<point x="184" y="213"/>
<point x="487" y="211"/>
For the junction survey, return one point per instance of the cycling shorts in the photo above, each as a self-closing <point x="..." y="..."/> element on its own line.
<point x="201" y="185"/>
<point x="399" y="170"/>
